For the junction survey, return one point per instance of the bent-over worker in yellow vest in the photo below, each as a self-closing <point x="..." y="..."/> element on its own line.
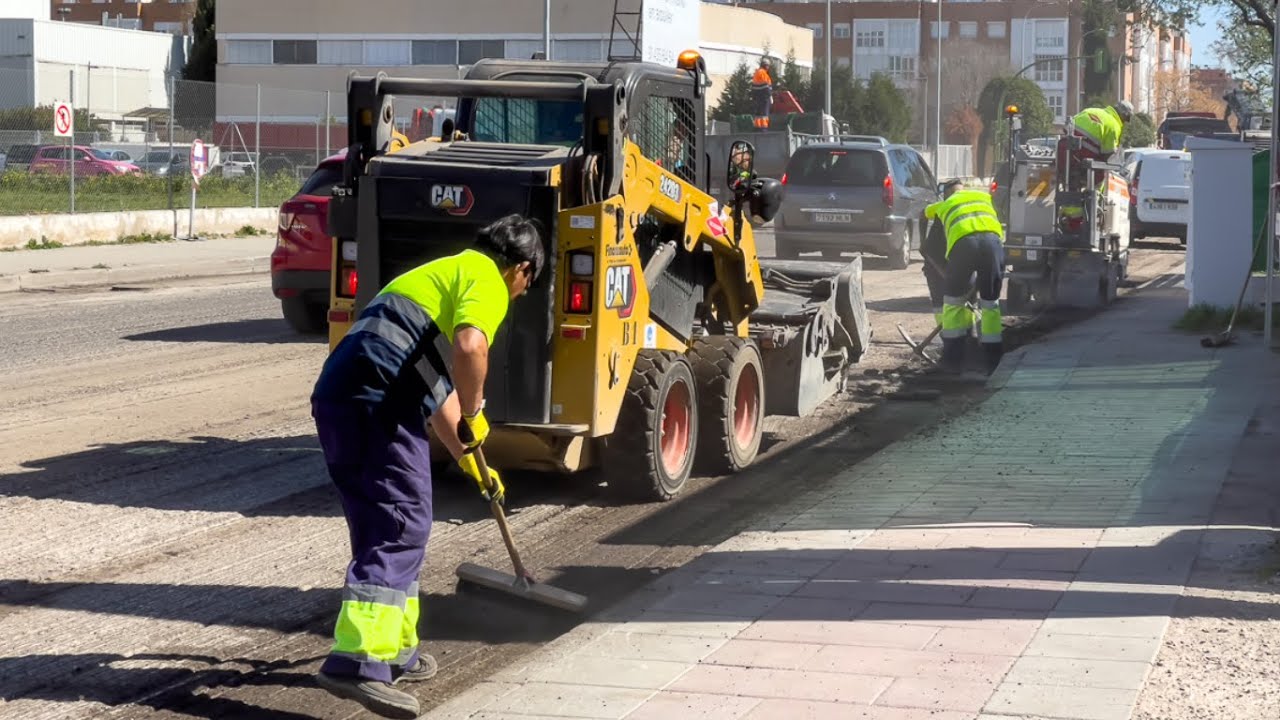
<point x="974" y="246"/>
<point x="1099" y="131"/>
<point x="418" y="354"/>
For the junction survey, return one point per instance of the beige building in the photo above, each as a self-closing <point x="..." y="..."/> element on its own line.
<point x="299" y="50"/>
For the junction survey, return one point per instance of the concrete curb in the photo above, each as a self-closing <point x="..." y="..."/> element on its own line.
<point x="62" y="279"/>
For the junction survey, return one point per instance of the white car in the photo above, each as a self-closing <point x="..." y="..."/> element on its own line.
<point x="238" y="164"/>
<point x="1160" y="195"/>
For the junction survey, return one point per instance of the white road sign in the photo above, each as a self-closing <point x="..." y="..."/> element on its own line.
<point x="63" y="120"/>
<point x="670" y="27"/>
<point x="199" y="160"/>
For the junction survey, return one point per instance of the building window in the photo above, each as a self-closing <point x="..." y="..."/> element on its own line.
<point x="435" y="52"/>
<point x="170" y="27"/>
<point x="870" y="39"/>
<point x="1057" y="103"/>
<point x="471" y="52"/>
<point x="1050" y="71"/>
<point x="840" y="30"/>
<point x="817" y="30"/>
<point x="842" y="62"/>
<point x="946" y="30"/>
<point x="577" y="50"/>
<point x="340" y="52"/>
<point x="388" y="53"/>
<point x="902" y="68"/>
<point x="294" y="52"/>
<point x="996" y="29"/>
<point x="248" y="52"/>
<point x="968" y="29"/>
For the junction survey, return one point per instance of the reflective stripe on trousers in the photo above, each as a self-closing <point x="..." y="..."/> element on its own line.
<point x="957" y="318"/>
<point x="992" y="321"/>
<point x="377" y="624"/>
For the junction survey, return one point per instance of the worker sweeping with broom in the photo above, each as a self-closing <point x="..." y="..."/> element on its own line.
<point x="417" y="354"/>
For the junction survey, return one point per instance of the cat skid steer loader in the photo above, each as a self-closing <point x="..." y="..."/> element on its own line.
<point x="655" y="337"/>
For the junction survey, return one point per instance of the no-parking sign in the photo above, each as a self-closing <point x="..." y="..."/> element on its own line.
<point x="199" y="161"/>
<point x="63" y="119"/>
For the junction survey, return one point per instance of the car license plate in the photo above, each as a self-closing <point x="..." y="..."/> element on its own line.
<point x="1163" y="206"/>
<point x="832" y="217"/>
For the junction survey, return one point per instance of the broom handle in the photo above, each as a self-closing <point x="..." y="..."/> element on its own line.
<point x="500" y="517"/>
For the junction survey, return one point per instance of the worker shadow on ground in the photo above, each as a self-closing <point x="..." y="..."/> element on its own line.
<point x="132" y="680"/>
<point x="915" y="304"/>
<point x="1166" y="245"/>
<point x="261" y="330"/>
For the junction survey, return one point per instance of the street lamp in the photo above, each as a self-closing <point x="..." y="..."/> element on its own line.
<point x="828" y="32"/>
<point x="937" y="110"/>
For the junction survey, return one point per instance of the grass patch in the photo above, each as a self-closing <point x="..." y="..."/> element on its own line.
<point x="139" y="239"/>
<point x="249" y="230"/>
<point x="24" y="194"/>
<point x="43" y="243"/>
<point x="1208" y="318"/>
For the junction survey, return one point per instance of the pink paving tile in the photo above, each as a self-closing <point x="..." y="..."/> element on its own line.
<point x="859" y="568"/>
<point x="763" y="654"/>
<point x="833" y="609"/>
<point x="948" y="615"/>
<point x="938" y="694"/>
<point x="1058" y="560"/>
<point x="888" y="591"/>
<point x="868" y="634"/>
<point x="967" y="667"/>
<point x="805" y="710"/>
<point x="693" y="706"/>
<point x="1002" y="641"/>
<point x="788" y="684"/>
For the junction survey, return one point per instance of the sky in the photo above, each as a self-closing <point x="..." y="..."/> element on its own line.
<point x="1203" y="36"/>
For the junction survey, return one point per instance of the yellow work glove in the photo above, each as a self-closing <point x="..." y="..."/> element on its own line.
<point x="473" y="430"/>
<point x="469" y="466"/>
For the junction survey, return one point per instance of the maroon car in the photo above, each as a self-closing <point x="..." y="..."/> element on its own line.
<point x="300" y="262"/>
<point x="56" y="160"/>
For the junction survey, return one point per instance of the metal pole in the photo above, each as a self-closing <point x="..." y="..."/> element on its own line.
<point x="1271" y="191"/>
<point x="71" y="149"/>
<point x="546" y="30"/>
<point x="327" y="131"/>
<point x="828" y="32"/>
<point x="173" y="103"/>
<point x="191" y="213"/>
<point x="937" y="111"/>
<point x="257" y="152"/>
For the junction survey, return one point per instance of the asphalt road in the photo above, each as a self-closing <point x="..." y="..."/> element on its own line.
<point x="173" y="548"/>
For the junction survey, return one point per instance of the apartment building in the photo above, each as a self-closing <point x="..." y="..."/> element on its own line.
<point x="169" y="16"/>
<point x="979" y="40"/>
<point x="297" y="54"/>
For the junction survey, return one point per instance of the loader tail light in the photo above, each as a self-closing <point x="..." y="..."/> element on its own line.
<point x="784" y="178"/>
<point x="579" y="297"/>
<point x="994" y="186"/>
<point x="887" y="193"/>
<point x="348" y="281"/>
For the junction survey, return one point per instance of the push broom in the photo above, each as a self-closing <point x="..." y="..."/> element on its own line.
<point x="522" y="584"/>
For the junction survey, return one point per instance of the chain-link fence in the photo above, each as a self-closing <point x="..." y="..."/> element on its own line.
<point x="133" y="134"/>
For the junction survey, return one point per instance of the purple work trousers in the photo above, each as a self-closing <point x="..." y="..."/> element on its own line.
<point x="381" y="467"/>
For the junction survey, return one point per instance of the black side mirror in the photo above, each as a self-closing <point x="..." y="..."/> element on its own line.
<point x="742" y="163"/>
<point x="446" y="129"/>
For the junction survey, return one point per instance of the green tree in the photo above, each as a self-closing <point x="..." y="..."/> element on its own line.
<point x="41" y="118"/>
<point x="1037" y="119"/>
<point x="886" y="111"/>
<point x="1249" y="50"/>
<point x="1097" y="20"/>
<point x="1139" y="132"/>
<point x="203" y="61"/>
<point x="793" y="79"/>
<point x="845" y="94"/>
<point x="736" y="98"/>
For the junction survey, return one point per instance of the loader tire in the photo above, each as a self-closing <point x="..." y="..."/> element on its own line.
<point x="649" y="456"/>
<point x="730" y="376"/>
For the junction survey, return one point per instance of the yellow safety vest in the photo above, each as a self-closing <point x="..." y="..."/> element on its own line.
<point x="1103" y="125"/>
<point x="964" y="213"/>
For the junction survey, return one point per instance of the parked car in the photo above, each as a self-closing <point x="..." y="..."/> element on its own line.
<point x="1160" y="195"/>
<point x="300" y="263"/>
<point x="160" y="162"/>
<point x="56" y="160"/>
<point x="238" y="164"/>
<point x="21" y="155"/>
<point x="859" y="194"/>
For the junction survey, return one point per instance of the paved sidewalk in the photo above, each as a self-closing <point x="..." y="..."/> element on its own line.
<point x="144" y="262"/>
<point x="1020" y="561"/>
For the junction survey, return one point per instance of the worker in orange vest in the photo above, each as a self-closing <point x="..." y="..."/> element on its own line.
<point x="762" y="93"/>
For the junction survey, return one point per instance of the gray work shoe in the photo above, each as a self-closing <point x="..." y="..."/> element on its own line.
<point x="424" y="669"/>
<point x="377" y="697"/>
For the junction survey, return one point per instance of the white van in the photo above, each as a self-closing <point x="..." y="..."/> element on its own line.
<point x="1160" y="195"/>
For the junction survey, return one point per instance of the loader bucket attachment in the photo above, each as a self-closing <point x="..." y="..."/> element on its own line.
<point x="810" y="327"/>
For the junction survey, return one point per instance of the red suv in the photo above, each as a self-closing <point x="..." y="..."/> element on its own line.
<point x="56" y="160"/>
<point x="300" y="262"/>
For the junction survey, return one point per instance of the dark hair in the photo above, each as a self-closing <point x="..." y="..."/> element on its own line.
<point x="513" y="240"/>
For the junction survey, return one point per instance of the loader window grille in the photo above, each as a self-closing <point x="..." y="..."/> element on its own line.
<point x="665" y="133"/>
<point x="528" y="122"/>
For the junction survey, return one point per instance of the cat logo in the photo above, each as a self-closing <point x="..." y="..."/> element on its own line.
<point x="620" y="289"/>
<point x="453" y="199"/>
